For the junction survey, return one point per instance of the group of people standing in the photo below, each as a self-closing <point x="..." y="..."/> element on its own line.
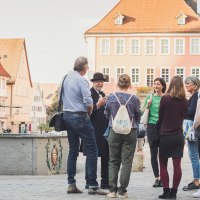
<point x="170" y="111"/>
<point x="89" y="112"/>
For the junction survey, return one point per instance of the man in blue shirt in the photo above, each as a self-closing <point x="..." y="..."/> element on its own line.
<point x="77" y="106"/>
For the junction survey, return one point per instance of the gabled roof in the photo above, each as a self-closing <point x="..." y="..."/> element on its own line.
<point x="48" y="92"/>
<point x="119" y="15"/>
<point x="3" y="72"/>
<point x="181" y="14"/>
<point x="10" y="52"/>
<point x="148" y="16"/>
<point x="36" y="89"/>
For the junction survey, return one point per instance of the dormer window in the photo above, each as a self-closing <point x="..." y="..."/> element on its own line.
<point x="181" y="18"/>
<point x="119" y="19"/>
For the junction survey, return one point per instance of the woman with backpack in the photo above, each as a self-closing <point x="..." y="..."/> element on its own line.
<point x="123" y="111"/>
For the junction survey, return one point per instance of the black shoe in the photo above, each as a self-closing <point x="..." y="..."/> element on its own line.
<point x="157" y="183"/>
<point x="166" y="194"/>
<point x="190" y="186"/>
<point x="173" y="193"/>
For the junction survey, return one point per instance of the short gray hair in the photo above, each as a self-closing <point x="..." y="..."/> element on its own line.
<point x="80" y="63"/>
<point x="194" y="80"/>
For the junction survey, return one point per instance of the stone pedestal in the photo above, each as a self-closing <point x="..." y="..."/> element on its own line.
<point x="33" y="154"/>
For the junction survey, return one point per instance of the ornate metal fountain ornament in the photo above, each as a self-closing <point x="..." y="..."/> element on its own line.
<point x="54" y="156"/>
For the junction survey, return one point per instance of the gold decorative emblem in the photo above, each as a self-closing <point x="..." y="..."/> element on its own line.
<point x="54" y="155"/>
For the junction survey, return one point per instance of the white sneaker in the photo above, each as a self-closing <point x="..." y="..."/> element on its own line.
<point x="112" y="195"/>
<point x="123" y="196"/>
<point x="196" y="194"/>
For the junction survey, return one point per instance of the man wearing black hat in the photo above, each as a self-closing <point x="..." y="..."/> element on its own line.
<point x="100" y="124"/>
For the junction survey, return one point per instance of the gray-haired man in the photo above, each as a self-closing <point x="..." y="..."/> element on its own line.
<point x="77" y="106"/>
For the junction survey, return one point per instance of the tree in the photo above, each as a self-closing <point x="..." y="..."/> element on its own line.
<point x="53" y="108"/>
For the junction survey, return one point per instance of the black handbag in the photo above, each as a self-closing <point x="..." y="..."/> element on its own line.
<point x="141" y="131"/>
<point x="57" y="120"/>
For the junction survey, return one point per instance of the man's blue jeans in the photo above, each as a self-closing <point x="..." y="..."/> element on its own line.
<point x="78" y="126"/>
<point x="194" y="157"/>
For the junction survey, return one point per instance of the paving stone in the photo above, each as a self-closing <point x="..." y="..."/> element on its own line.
<point x="54" y="187"/>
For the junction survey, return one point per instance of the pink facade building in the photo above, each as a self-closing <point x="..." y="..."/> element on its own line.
<point x="146" y="39"/>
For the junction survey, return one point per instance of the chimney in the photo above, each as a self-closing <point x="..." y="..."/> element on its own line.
<point x="198" y="7"/>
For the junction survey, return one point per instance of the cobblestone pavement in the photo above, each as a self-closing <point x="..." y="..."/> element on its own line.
<point x="53" y="187"/>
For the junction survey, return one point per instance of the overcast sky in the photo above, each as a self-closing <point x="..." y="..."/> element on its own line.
<point x="53" y="31"/>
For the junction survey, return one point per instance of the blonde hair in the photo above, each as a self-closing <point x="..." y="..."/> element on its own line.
<point x="124" y="81"/>
<point x="176" y="88"/>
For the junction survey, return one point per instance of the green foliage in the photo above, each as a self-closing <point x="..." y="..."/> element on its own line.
<point x="53" y="108"/>
<point x="44" y="127"/>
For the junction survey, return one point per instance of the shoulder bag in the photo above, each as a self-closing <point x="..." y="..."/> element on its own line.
<point x="145" y="117"/>
<point x="57" y="119"/>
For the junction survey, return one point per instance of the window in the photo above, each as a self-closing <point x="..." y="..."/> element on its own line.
<point x="164" y="46"/>
<point x="37" y="98"/>
<point x="181" y="21"/>
<point x="118" y="21"/>
<point x="135" y="46"/>
<point x="150" y="46"/>
<point x="3" y="83"/>
<point x="165" y="74"/>
<point x="180" y="71"/>
<point x="195" y="46"/>
<point x="105" y="46"/>
<point x="119" y="72"/>
<point x="149" y="76"/>
<point x="196" y="72"/>
<point x="120" y="46"/>
<point x="3" y="104"/>
<point x="135" y="75"/>
<point x="106" y="72"/>
<point x="179" y="46"/>
<point x="181" y="18"/>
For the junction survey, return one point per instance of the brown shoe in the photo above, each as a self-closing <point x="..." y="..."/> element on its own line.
<point x="72" y="189"/>
<point x="98" y="191"/>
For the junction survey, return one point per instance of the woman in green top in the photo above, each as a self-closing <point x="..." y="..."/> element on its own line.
<point x="153" y="102"/>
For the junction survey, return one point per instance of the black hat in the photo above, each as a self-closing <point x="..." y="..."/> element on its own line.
<point x="98" y="77"/>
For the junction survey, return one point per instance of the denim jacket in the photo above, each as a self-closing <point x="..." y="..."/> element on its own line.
<point x="133" y="107"/>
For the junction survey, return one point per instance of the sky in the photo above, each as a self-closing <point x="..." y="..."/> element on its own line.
<point x="53" y="31"/>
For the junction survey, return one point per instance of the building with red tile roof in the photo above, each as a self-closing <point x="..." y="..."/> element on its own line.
<point x="13" y="58"/>
<point x="146" y="39"/>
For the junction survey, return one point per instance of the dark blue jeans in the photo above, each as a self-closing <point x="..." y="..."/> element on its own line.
<point x="78" y="126"/>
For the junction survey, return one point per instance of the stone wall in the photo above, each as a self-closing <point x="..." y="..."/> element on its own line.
<point x="33" y="154"/>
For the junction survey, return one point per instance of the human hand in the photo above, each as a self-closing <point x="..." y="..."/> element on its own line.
<point x="149" y="102"/>
<point x="102" y="101"/>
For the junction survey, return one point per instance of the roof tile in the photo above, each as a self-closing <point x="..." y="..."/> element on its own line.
<point x="148" y="16"/>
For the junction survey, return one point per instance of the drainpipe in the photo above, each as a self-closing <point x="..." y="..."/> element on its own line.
<point x="11" y="100"/>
